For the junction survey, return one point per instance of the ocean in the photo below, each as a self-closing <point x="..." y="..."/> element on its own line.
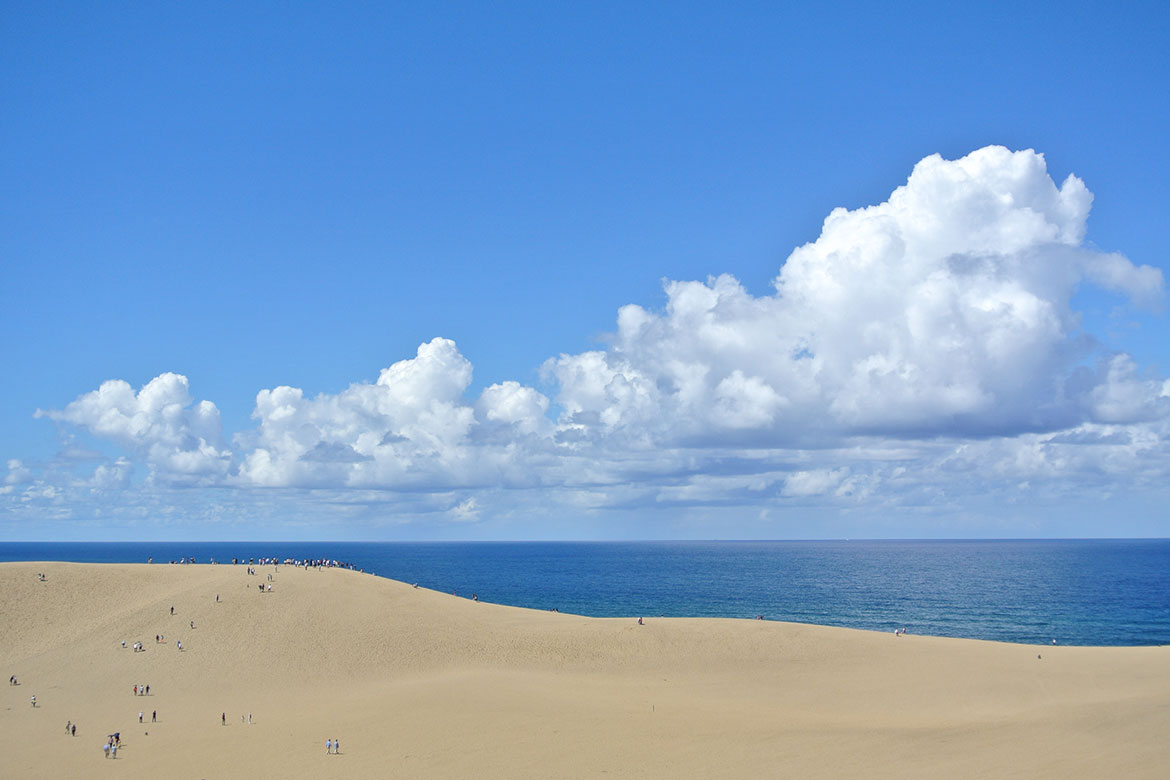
<point x="1078" y="592"/>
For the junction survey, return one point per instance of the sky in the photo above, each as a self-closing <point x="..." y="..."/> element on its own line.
<point x="472" y="271"/>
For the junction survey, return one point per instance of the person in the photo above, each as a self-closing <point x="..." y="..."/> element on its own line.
<point x="336" y="746"/>
<point x="106" y="750"/>
<point x="328" y="746"/>
<point x="135" y="690"/>
<point x="68" y="723"/>
<point x="223" y="718"/>
<point x="172" y="609"/>
<point x="148" y="690"/>
<point x="154" y="717"/>
<point x="114" y="751"/>
<point x="32" y="700"/>
<point x="249" y="717"/>
<point x="192" y="624"/>
<point x="73" y="731"/>
<point x="640" y="622"/>
<point x="140" y="716"/>
<point x="216" y="598"/>
<point x="179" y="644"/>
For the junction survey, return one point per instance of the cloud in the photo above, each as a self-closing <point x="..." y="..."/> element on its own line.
<point x="409" y="430"/>
<point x="115" y="475"/>
<point x="18" y="473"/>
<point x="942" y="311"/>
<point x="918" y="350"/>
<point x="180" y="440"/>
<point x="813" y="483"/>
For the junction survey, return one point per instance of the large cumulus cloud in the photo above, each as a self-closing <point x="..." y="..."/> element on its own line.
<point x="944" y="310"/>
<point x="925" y="346"/>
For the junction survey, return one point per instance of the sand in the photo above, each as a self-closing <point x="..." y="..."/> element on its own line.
<point x="421" y="684"/>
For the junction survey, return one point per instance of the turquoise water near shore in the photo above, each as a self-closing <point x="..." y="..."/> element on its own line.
<point x="1079" y="592"/>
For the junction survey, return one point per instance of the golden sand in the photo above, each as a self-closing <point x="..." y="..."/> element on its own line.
<point x="420" y="684"/>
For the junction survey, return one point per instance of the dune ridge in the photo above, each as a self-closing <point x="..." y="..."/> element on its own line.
<point x="417" y="683"/>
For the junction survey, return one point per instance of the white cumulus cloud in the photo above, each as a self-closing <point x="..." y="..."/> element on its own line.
<point x="180" y="440"/>
<point x="944" y="310"/>
<point x="918" y="349"/>
<point x="411" y="429"/>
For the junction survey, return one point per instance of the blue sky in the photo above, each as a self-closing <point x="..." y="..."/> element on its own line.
<point x="356" y="271"/>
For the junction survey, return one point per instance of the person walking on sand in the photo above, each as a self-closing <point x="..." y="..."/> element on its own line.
<point x="32" y="700"/>
<point x="154" y="717"/>
<point x="68" y="723"/>
<point x="140" y="716"/>
<point x="336" y="747"/>
<point x="73" y="731"/>
<point x="172" y="609"/>
<point x="328" y="746"/>
<point x="223" y="718"/>
<point x="106" y="750"/>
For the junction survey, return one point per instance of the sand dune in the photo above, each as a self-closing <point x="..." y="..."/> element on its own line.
<point x="425" y="685"/>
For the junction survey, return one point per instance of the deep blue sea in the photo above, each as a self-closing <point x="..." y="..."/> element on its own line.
<point x="1079" y="592"/>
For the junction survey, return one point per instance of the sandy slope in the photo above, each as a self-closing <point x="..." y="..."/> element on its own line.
<point x="423" y="685"/>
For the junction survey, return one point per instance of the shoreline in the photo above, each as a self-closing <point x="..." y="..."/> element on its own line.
<point x="591" y="617"/>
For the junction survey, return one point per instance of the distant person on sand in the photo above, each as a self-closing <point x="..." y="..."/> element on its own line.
<point x="328" y="746"/>
<point x="336" y="746"/>
<point x="73" y="730"/>
<point x="223" y="718"/>
<point x="641" y="622"/>
<point x="154" y="717"/>
<point x="172" y="609"/>
<point x="32" y="700"/>
<point x="140" y="716"/>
